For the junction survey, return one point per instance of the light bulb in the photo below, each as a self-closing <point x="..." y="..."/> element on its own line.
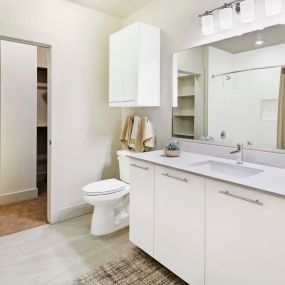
<point x="207" y="24"/>
<point x="273" y="7"/>
<point x="226" y="18"/>
<point x="247" y="11"/>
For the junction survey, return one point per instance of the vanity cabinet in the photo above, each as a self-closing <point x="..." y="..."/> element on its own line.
<point x="142" y="205"/>
<point x="206" y="231"/>
<point x="244" y="237"/>
<point x="179" y="223"/>
<point x="134" y="66"/>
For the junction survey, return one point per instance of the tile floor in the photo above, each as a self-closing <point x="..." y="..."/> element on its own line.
<point x="24" y="215"/>
<point x="56" y="254"/>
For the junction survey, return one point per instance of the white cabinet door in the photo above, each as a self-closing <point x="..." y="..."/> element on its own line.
<point x="130" y="59"/>
<point x="142" y="205"/>
<point x="116" y="68"/>
<point x="245" y="241"/>
<point x="179" y="223"/>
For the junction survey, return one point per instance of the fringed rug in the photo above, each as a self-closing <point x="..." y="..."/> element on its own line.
<point x="137" y="268"/>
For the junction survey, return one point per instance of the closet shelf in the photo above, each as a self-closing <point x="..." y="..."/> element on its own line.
<point x="186" y="96"/>
<point x="42" y="85"/>
<point x="184" y="115"/>
<point x="187" y="75"/>
<point x="184" y="134"/>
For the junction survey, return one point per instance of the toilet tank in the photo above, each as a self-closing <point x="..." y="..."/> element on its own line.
<point x="124" y="165"/>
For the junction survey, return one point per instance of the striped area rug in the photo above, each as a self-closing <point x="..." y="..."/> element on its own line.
<point x="136" y="268"/>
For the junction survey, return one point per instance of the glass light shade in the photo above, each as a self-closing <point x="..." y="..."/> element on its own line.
<point x="207" y="24"/>
<point x="247" y="11"/>
<point x="226" y="18"/>
<point x="273" y="7"/>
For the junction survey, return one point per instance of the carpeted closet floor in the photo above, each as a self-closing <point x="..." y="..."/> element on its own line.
<point x="24" y="215"/>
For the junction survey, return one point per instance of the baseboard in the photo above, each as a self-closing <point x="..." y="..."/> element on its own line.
<point x="70" y="212"/>
<point x="18" y="196"/>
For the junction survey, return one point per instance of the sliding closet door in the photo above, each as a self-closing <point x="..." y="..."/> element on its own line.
<point x="18" y="122"/>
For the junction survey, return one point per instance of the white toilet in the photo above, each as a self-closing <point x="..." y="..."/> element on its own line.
<point x="110" y="199"/>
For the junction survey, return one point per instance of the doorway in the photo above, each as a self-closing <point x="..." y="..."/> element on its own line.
<point x="24" y="138"/>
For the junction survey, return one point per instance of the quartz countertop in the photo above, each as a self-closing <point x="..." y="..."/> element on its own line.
<point x="271" y="180"/>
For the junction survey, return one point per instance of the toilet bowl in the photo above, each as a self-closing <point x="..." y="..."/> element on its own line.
<point x="110" y="199"/>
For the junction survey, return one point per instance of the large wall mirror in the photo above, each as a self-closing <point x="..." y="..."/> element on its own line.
<point x="233" y="91"/>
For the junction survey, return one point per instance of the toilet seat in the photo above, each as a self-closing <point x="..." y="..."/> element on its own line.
<point x="105" y="187"/>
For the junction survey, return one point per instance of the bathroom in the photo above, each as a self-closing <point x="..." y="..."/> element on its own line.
<point x="241" y="242"/>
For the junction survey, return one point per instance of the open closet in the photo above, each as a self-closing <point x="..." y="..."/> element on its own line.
<point x="42" y="125"/>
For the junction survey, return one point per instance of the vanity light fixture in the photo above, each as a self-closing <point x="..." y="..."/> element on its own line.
<point x="226" y="14"/>
<point x="247" y="11"/>
<point x="226" y="17"/>
<point x="207" y="24"/>
<point x="273" y="7"/>
<point x="244" y="8"/>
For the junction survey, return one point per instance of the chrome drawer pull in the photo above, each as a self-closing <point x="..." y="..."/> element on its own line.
<point x="174" y="177"/>
<point x="137" y="166"/>
<point x="241" y="198"/>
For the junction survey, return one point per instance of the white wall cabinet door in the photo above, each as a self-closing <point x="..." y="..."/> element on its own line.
<point x="130" y="63"/>
<point x="142" y="205"/>
<point x="179" y="223"/>
<point x="18" y="122"/>
<point x="245" y="241"/>
<point x="115" y="68"/>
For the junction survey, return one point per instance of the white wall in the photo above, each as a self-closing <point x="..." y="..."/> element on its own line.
<point x="250" y="92"/>
<point x="192" y="60"/>
<point x="237" y="105"/>
<point x="220" y="99"/>
<point x="84" y="130"/>
<point x="268" y="56"/>
<point x="18" y="119"/>
<point x="181" y="29"/>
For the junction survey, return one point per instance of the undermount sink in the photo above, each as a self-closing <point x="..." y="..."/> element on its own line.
<point x="238" y="171"/>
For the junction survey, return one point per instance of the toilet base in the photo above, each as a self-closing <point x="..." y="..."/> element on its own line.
<point x="110" y="217"/>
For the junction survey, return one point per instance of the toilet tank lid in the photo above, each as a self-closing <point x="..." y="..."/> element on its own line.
<point x="123" y="153"/>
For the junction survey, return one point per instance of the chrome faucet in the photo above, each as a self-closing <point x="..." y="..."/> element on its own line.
<point x="239" y="151"/>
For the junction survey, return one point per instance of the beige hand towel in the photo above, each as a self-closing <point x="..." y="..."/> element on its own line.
<point x="149" y="135"/>
<point x="134" y="135"/>
<point x="125" y="137"/>
<point x="145" y="138"/>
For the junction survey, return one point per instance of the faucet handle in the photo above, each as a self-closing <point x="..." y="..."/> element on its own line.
<point x="239" y="146"/>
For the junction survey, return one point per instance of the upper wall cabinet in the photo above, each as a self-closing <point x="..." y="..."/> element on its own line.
<point x="134" y="79"/>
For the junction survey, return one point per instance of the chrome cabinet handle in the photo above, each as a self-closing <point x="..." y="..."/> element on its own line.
<point x="137" y="166"/>
<point x="174" y="177"/>
<point x="241" y="198"/>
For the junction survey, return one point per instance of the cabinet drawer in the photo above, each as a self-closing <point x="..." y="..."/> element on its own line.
<point x="142" y="204"/>
<point x="245" y="236"/>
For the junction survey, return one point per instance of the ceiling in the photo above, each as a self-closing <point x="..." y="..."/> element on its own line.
<point x="271" y="36"/>
<point x="116" y="8"/>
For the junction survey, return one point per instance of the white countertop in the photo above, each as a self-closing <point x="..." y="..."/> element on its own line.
<point x="272" y="179"/>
